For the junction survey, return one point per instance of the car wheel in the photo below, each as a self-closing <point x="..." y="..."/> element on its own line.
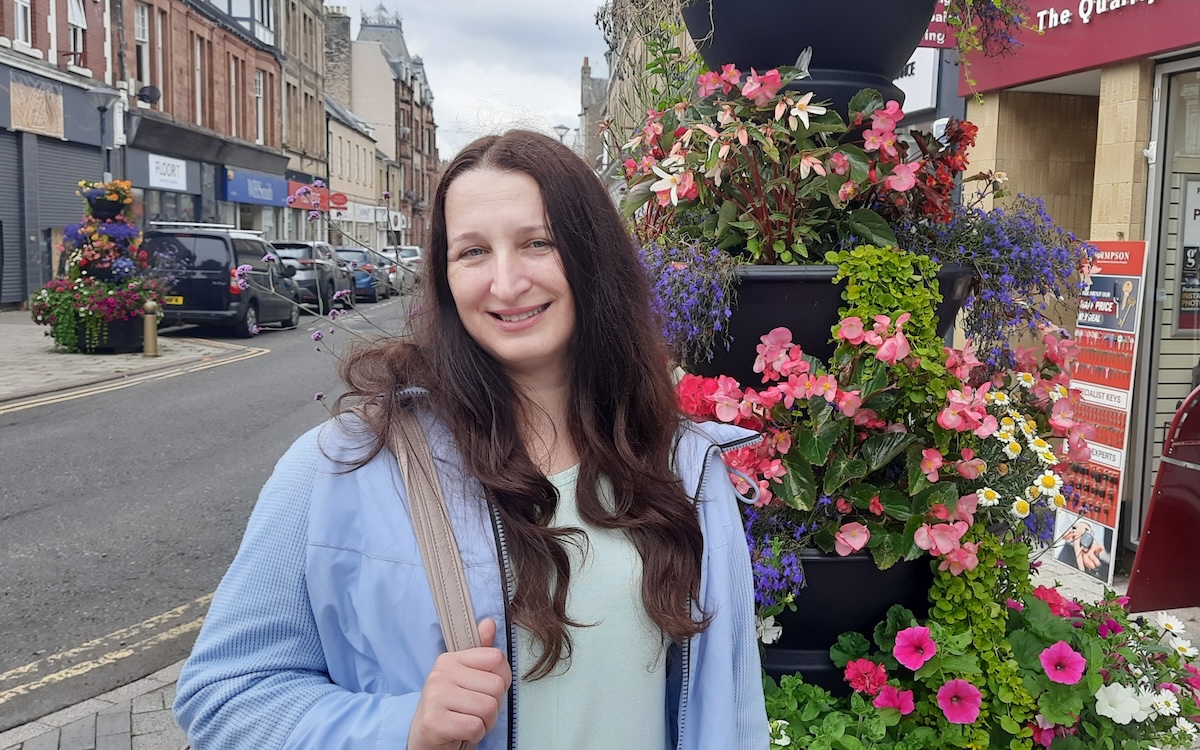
<point x="374" y="294"/>
<point x="249" y="323"/>
<point x="293" y="320"/>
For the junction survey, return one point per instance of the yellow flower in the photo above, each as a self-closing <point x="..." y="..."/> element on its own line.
<point x="988" y="498"/>
<point x="1012" y="449"/>
<point x="1020" y="508"/>
<point x="1039" y="445"/>
<point x="1049" y="481"/>
<point x="1026" y="380"/>
<point x="997" y="397"/>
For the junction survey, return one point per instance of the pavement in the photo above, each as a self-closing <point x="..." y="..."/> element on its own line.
<point x="138" y="716"/>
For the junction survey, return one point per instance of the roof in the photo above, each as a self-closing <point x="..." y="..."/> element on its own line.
<point x="346" y="117"/>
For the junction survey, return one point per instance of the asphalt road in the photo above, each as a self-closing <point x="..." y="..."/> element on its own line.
<point x="119" y="512"/>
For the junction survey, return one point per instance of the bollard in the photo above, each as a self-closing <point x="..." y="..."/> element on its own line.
<point x="150" y="330"/>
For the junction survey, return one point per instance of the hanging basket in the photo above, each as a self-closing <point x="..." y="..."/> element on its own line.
<point x="105" y="209"/>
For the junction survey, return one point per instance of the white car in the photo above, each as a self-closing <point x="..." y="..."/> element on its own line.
<point x="409" y="259"/>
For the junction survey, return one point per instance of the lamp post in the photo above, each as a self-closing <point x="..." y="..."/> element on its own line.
<point x="562" y="131"/>
<point x="104" y="97"/>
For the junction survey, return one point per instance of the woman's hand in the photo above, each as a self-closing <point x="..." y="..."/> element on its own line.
<point x="462" y="696"/>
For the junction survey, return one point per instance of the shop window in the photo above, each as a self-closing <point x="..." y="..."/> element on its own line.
<point x="141" y="41"/>
<point x="23" y="21"/>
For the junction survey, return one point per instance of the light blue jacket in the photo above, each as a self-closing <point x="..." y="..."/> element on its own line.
<point x="323" y="631"/>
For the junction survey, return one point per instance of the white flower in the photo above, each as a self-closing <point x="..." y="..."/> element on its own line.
<point x="997" y="397"/>
<point x="1184" y="648"/>
<point x="1020" y="507"/>
<point x="1169" y="622"/>
<point x="803" y="109"/>
<point x="1185" y="726"/>
<point x="1056" y="392"/>
<point x="1117" y="702"/>
<point x="1026" y="380"/>
<point x="1165" y="704"/>
<point x="988" y="498"/>
<point x="1048" y="458"/>
<point x="1012" y="449"/>
<point x="779" y="736"/>
<point x="1145" y="699"/>
<point x="768" y="631"/>
<point x="1004" y="436"/>
<point x="1049" y="482"/>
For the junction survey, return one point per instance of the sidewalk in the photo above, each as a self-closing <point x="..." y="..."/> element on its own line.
<point x="30" y="366"/>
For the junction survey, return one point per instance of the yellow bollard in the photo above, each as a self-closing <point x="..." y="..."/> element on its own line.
<point x="150" y="330"/>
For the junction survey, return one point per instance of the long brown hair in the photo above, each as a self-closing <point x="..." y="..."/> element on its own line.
<point x="620" y="395"/>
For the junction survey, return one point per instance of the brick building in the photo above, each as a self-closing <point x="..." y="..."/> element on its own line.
<point x="302" y="43"/>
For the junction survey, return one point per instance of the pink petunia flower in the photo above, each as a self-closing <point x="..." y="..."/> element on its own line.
<point x="893" y="697"/>
<point x="914" y="647"/>
<point x="959" y="701"/>
<point x="865" y="676"/>
<point x="851" y="538"/>
<point x="1062" y="663"/>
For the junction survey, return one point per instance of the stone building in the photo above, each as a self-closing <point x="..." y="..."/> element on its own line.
<point x="403" y="121"/>
<point x="302" y="44"/>
<point x="592" y="95"/>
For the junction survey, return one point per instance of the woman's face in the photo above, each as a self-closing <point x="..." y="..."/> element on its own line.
<point x="505" y="273"/>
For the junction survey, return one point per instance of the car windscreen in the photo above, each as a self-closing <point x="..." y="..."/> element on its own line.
<point x="406" y="252"/>
<point x="293" y="251"/>
<point x="188" y="251"/>
<point x="354" y="256"/>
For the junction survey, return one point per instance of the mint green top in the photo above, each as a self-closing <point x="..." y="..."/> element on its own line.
<point x="613" y="691"/>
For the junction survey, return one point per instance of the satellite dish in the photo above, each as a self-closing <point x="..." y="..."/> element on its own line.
<point x="148" y="94"/>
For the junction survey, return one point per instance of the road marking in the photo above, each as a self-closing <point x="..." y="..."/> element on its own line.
<point x="121" y="638"/>
<point x="116" y="385"/>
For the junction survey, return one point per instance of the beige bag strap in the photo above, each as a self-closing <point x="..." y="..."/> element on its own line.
<point x="439" y="549"/>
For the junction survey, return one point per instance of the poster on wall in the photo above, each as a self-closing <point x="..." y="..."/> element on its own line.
<point x="1188" y="320"/>
<point x="1106" y="330"/>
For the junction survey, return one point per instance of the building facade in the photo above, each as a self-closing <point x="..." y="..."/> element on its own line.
<point x="1099" y="114"/>
<point x="354" y="196"/>
<point x="302" y="45"/>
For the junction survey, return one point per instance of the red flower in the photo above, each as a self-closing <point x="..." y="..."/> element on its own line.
<point x="865" y="676"/>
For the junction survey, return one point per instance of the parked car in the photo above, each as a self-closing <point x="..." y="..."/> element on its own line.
<point x="395" y="273"/>
<point x="204" y="259"/>
<point x="370" y="275"/>
<point x="319" y="272"/>
<point x="409" y="259"/>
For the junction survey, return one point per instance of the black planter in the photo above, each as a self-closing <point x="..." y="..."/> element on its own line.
<point x="856" y="44"/>
<point x="842" y="594"/>
<point x="118" y="337"/>
<point x="805" y="300"/>
<point x="105" y="209"/>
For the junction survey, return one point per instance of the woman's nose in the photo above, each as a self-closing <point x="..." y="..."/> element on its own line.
<point x="510" y="276"/>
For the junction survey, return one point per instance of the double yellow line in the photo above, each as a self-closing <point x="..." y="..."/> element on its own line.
<point x="105" y="650"/>
<point x="115" y="385"/>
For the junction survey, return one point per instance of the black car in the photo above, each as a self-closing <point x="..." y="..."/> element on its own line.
<point x="204" y="260"/>
<point x="319" y="273"/>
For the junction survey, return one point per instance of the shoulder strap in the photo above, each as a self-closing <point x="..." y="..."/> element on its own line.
<point x="439" y="548"/>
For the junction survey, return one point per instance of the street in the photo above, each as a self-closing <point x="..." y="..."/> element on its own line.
<point x="120" y="511"/>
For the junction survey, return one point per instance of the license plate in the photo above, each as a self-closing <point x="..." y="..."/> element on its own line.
<point x="173" y="300"/>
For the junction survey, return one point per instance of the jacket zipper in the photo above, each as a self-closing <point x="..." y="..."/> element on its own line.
<point x="507" y="583"/>
<point x="687" y="645"/>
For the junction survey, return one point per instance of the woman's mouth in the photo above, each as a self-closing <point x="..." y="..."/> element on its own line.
<point x="521" y="316"/>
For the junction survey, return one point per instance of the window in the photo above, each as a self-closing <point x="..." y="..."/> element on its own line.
<point x="159" y="24"/>
<point x="23" y="18"/>
<point x="260" y="107"/>
<point x="235" y="89"/>
<point x="141" y="41"/>
<point x="198" y="84"/>
<point x="77" y="31"/>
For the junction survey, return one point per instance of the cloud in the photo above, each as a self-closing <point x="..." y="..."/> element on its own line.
<point x="497" y="65"/>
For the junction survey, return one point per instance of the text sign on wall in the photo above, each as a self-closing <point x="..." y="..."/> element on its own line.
<point x="167" y="173"/>
<point x="939" y="35"/>
<point x="1189" y="284"/>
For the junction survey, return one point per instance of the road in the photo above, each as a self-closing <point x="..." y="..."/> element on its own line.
<point x="119" y="512"/>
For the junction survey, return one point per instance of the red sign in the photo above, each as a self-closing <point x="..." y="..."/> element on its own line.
<point x="311" y="195"/>
<point x="939" y="34"/>
<point x="339" y="201"/>
<point x="1070" y="36"/>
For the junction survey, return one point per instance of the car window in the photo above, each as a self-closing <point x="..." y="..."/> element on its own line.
<point x="293" y="250"/>
<point x="409" y="252"/>
<point x="188" y="251"/>
<point x="358" y="257"/>
<point x="250" y="253"/>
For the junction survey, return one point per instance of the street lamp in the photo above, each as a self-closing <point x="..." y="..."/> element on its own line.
<point x="104" y="97"/>
<point x="562" y="131"/>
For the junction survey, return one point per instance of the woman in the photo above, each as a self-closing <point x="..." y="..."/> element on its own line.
<point x="600" y="534"/>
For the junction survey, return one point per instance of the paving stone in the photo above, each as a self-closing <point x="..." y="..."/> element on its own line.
<point x="114" y="742"/>
<point x="113" y="721"/>
<point x="155" y="721"/>
<point x="159" y="741"/>
<point x="79" y="735"/>
<point x="47" y="741"/>
<point x="149" y="702"/>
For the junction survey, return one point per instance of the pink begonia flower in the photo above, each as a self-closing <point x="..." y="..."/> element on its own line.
<point x="848" y="402"/>
<point x="1059" y="349"/>
<point x="772" y="469"/>
<point x="931" y="461"/>
<point x="728" y="399"/>
<point x="841" y="165"/>
<point x="962" y="363"/>
<point x="731" y="77"/>
<point x="708" y="83"/>
<point x="940" y="538"/>
<point x="760" y="89"/>
<point x="959" y="701"/>
<point x="1059" y="604"/>
<point x="631" y="167"/>
<point x="903" y="177"/>
<point x="1062" y="663"/>
<point x="851" y="538"/>
<point x="873" y="139"/>
<point x="865" y="676"/>
<point x="851" y="330"/>
<point x="940" y="512"/>
<point x="970" y="467"/>
<point x="891" y="696"/>
<point x="843" y="505"/>
<point x="966" y="507"/>
<point x="826" y="387"/>
<point x="773" y="352"/>
<point x="848" y="190"/>
<point x="914" y="647"/>
<point x="886" y="118"/>
<point x="894" y="349"/>
<point x="965" y="557"/>
<point x="875" y="506"/>
<point x="810" y="163"/>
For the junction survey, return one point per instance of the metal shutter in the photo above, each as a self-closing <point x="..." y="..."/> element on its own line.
<point x="60" y="168"/>
<point x="12" y="273"/>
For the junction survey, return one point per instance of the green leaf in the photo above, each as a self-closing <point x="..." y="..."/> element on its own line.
<point x="1026" y="648"/>
<point x="860" y="165"/>
<point x="799" y="489"/>
<point x="849" y="646"/>
<point x="881" y="449"/>
<point x="896" y="505"/>
<point x="815" y="446"/>
<point x="865" y="102"/>
<point x="944" y="493"/>
<point x="869" y="227"/>
<point x="1061" y="704"/>
<point x="841" y="470"/>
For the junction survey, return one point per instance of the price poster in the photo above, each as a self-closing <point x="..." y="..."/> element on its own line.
<point x="1106" y="330"/>
<point x="1189" y="281"/>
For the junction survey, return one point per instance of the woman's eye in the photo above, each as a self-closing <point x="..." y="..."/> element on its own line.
<point x="472" y="252"/>
<point x="541" y="244"/>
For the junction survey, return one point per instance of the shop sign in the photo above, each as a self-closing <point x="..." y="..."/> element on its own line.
<point x="1106" y="329"/>
<point x="939" y="35"/>
<point x="244" y="186"/>
<point x="339" y="200"/>
<point x="1189" y="285"/>
<point x="397" y="221"/>
<point x="167" y="173"/>
<point x="919" y="81"/>
<point x="1071" y="36"/>
<point x="363" y="214"/>
<point x="381" y="217"/>
<point x="313" y="198"/>
<point x="340" y="214"/>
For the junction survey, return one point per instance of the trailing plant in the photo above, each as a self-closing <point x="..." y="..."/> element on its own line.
<point x="692" y="296"/>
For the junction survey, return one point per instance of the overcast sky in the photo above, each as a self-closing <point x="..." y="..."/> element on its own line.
<point x="497" y="64"/>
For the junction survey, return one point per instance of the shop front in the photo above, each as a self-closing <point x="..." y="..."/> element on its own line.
<point x="168" y="188"/>
<point x="259" y="198"/>
<point x="299" y="224"/>
<point x="1098" y="113"/>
